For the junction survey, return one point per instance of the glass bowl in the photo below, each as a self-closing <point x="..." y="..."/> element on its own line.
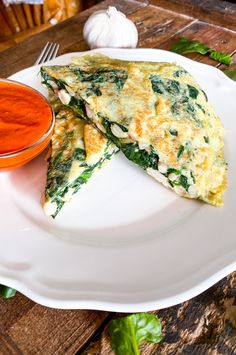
<point x="17" y="158"/>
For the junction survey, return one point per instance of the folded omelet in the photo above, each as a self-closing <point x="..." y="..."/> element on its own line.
<point x="156" y="114"/>
<point x="77" y="151"/>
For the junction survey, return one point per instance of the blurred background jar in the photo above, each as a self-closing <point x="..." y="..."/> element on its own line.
<point x="20" y="19"/>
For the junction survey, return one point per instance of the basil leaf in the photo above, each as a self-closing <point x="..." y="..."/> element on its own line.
<point x="221" y="57"/>
<point x="127" y="333"/>
<point x="7" y="292"/>
<point x="231" y="74"/>
<point x="187" y="45"/>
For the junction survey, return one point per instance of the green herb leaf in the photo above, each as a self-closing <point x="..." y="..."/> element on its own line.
<point x="131" y="150"/>
<point x="79" y="154"/>
<point x="183" y="180"/>
<point x="231" y="74"/>
<point x="102" y="75"/>
<point x="180" y="151"/>
<point x="7" y="292"/>
<point x="200" y="107"/>
<point x="186" y="45"/>
<point x="221" y="57"/>
<point x="140" y="156"/>
<point x="173" y="132"/>
<point x="180" y="72"/>
<point x="127" y="333"/>
<point x="173" y="171"/>
<point x="77" y="105"/>
<point x="157" y="84"/>
<point x="193" y="92"/>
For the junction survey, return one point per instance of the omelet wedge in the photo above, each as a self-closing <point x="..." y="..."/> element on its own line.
<point x="77" y="151"/>
<point x="156" y="114"/>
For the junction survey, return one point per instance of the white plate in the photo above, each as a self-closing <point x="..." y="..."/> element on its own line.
<point x="124" y="243"/>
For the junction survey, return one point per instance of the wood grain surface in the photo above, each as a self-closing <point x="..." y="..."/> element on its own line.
<point x="218" y="12"/>
<point x="203" y="325"/>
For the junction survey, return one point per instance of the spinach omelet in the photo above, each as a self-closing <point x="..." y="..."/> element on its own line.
<point x="156" y="114"/>
<point x="77" y="150"/>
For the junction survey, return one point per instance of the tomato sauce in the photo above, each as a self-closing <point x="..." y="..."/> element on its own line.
<point x="24" y="117"/>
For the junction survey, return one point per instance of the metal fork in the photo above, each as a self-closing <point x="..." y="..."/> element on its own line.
<point x="49" y="51"/>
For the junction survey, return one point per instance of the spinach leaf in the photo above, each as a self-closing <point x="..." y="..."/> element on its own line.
<point x="57" y="159"/>
<point x="173" y="132"/>
<point x="82" y="179"/>
<point x="79" y="154"/>
<point x="46" y="77"/>
<point x="157" y="84"/>
<point x="190" y="108"/>
<point x="231" y="74"/>
<point x="7" y="292"/>
<point x="65" y="166"/>
<point x="127" y="333"/>
<point x="186" y="45"/>
<point x="60" y="83"/>
<point x="183" y="180"/>
<point x="182" y="97"/>
<point x="140" y="156"/>
<point x="102" y="75"/>
<point x="93" y="90"/>
<point x="58" y="197"/>
<point x="192" y="176"/>
<point x="174" y="171"/>
<point x="131" y="150"/>
<point x="180" y="72"/>
<point x="180" y="151"/>
<point x="160" y="85"/>
<point x="78" y="106"/>
<point x="173" y="87"/>
<point x="193" y="92"/>
<point x="200" y="107"/>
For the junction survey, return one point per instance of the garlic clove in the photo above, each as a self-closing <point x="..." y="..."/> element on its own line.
<point x="110" y="28"/>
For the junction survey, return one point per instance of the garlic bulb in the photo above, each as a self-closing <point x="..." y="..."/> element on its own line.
<point x="110" y="28"/>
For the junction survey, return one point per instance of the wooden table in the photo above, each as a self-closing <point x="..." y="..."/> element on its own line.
<point x="203" y="325"/>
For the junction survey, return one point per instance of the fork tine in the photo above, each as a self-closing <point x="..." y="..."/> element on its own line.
<point x="45" y="56"/>
<point x="41" y="54"/>
<point x="55" y="51"/>
<point x="50" y="54"/>
<point x="49" y="51"/>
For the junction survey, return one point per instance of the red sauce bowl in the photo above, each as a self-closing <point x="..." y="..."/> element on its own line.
<point x="26" y="124"/>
